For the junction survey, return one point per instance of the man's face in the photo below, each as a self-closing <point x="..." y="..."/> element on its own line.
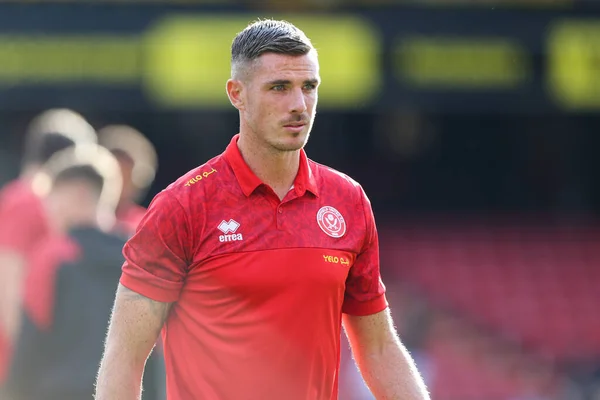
<point x="280" y="99"/>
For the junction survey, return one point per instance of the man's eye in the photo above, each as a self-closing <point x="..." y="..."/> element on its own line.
<point x="278" y="88"/>
<point x="310" y="86"/>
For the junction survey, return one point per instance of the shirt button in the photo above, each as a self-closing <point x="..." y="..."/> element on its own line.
<point x="279" y="210"/>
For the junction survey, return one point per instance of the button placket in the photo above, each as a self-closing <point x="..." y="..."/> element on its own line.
<point x="279" y="216"/>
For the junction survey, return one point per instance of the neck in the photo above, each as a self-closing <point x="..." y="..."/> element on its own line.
<point x="278" y="169"/>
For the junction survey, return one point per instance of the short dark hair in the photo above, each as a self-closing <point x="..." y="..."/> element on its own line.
<point x="267" y="36"/>
<point x="39" y="149"/>
<point x="82" y="173"/>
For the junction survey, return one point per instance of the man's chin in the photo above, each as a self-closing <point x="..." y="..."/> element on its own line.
<point x="292" y="142"/>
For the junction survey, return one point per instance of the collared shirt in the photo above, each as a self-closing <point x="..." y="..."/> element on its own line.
<point x="258" y="284"/>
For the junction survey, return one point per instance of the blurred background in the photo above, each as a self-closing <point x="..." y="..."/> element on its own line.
<point x="471" y="124"/>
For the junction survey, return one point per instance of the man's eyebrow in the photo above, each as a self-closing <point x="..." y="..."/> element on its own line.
<point x="279" y="82"/>
<point x="313" y="81"/>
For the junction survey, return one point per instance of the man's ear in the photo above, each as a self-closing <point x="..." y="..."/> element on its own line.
<point x="235" y="91"/>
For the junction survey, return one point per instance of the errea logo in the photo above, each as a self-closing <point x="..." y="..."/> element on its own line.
<point x="229" y="229"/>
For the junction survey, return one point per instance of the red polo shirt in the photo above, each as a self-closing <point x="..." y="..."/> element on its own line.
<point x="259" y="285"/>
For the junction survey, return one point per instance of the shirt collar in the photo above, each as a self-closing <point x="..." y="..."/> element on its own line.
<point x="305" y="178"/>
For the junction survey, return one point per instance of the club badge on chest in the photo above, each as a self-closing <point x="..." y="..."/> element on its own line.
<point x="331" y="222"/>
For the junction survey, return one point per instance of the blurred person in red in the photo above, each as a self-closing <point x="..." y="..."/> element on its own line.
<point x="250" y="262"/>
<point x="23" y="220"/>
<point x="69" y="287"/>
<point x="138" y="161"/>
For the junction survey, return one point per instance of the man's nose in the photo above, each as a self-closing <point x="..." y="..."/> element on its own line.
<point x="298" y="101"/>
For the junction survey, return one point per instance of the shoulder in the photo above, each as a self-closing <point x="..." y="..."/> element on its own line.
<point x="18" y="194"/>
<point x="196" y="181"/>
<point x="13" y="188"/>
<point x="23" y="218"/>
<point x="335" y="181"/>
<point x="336" y="187"/>
<point x="341" y="198"/>
<point x="21" y="206"/>
<point x="187" y="196"/>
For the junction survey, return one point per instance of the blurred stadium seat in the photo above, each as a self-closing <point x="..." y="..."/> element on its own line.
<point x="532" y="285"/>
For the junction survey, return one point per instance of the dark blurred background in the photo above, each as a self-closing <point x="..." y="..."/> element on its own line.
<point x="472" y="125"/>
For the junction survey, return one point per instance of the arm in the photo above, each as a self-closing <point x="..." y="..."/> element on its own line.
<point x="152" y="278"/>
<point x="12" y="267"/>
<point x="29" y="359"/>
<point x="35" y="344"/>
<point x="134" y="328"/>
<point x="22" y="226"/>
<point x="384" y="362"/>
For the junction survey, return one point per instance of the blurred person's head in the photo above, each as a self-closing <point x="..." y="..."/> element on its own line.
<point x="80" y="186"/>
<point x="50" y="132"/>
<point x="136" y="156"/>
<point x="274" y="80"/>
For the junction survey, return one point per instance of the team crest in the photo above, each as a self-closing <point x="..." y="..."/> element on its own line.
<point x="331" y="222"/>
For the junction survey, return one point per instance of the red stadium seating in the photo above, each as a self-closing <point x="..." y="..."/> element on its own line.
<point x="534" y="285"/>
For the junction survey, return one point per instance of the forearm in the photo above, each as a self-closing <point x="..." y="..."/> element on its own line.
<point x="120" y="376"/>
<point x="11" y="283"/>
<point x="134" y="328"/>
<point x="391" y="373"/>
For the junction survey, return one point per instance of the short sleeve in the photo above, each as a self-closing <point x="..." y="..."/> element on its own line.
<point x="156" y="260"/>
<point x="22" y="225"/>
<point x="365" y="291"/>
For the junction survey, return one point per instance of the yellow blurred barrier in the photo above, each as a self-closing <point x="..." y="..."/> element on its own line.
<point x="87" y="59"/>
<point x="183" y="61"/>
<point x="187" y="58"/>
<point x="574" y="64"/>
<point x="460" y="62"/>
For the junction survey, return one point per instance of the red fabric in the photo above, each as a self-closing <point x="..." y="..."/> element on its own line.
<point x="22" y="218"/>
<point x="257" y="311"/>
<point x="129" y="218"/>
<point x="23" y="225"/>
<point x="40" y="283"/>
<point x="5" y="355"/>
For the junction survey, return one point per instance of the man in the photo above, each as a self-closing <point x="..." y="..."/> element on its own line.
<point x="70" y="283"/>
<point x="252" y="261"/>
<point x="22" y="217"/>
<point x="138" y="161"/>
